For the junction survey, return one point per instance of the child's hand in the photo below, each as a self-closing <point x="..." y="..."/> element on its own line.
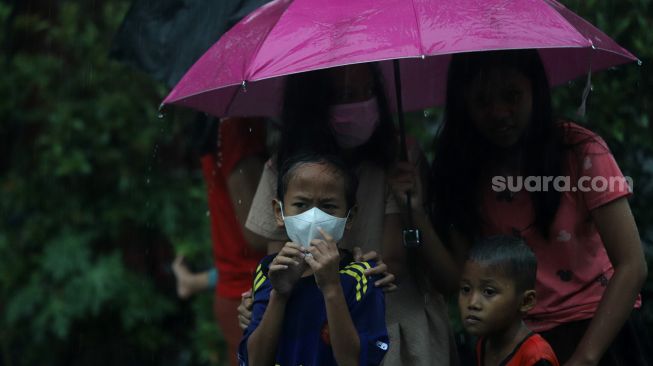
<point x="324" y="259"/>
<point x="245" y="309"/>
<point x="286" y="268"/>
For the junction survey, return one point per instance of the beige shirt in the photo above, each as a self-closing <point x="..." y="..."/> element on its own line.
<point x="418" y="323"/>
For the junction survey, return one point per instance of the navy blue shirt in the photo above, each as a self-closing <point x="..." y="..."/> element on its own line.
<point x="304" y="338"/>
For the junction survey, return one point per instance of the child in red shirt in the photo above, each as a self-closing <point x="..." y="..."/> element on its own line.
<point x="497" y="290"/>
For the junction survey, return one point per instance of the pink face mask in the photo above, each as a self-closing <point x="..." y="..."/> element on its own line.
<point x="354" y="123"/>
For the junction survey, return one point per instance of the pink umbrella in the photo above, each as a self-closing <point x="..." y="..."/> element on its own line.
<point x="241" y="73"/>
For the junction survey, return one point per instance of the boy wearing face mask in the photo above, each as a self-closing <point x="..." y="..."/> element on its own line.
<point x="312" y="304"/>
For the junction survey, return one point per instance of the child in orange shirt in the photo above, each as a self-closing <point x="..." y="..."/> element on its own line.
<point x="496" y="292"/>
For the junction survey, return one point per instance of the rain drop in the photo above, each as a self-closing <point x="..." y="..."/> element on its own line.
<point x="147" y="181"/>
<point x="208" y="213"/>
<point x="423" y="57"/>
<point x="240" y="202"/>
<point x="250" y="130"/>
<point x="244" y="86"/>
<point x="639" y="62"/>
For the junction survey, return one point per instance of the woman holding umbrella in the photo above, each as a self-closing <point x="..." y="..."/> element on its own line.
<point x="499" y="126"/>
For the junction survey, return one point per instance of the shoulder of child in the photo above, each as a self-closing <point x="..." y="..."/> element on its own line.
<point x="261" y="273"/>
<point x="354" y="280"/>
<point x="536" y="351"/>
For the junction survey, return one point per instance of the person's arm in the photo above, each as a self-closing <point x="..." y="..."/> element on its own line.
<point x="260" y="224"/>
<point x="247" y="302"/>
<point x="189" y="283"/>
<point x="616" y="225"/>
<point x="324" y="261"/>
<point x="262" y="344"/>
<point x="242" y="184"/>
<point x="342" y="333"/>
<point x="283" y="273"/>
<point x="442" y="266"/>
<point x="394" y="253"/>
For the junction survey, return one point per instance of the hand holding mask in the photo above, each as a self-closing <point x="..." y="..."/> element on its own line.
<point x="324" y="260"/>
<point x="286" y="268"/>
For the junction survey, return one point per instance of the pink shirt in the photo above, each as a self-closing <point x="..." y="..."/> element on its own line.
<point x="573" y="266"/>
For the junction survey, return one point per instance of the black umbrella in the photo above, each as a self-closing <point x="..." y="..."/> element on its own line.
<point x="165" y="37"/>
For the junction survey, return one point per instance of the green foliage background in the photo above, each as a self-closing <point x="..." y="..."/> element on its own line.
<point x="97" y="193"/>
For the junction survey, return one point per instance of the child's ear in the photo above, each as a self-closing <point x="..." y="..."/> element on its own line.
<point x="528" y="301"/>
<point x="352" y="216"/>
<point x="278" y="214"/>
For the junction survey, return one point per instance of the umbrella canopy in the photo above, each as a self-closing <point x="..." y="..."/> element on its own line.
<point x="240" y="74"/>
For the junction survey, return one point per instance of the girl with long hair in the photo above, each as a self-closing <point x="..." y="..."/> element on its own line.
<point x="498" y="131"/>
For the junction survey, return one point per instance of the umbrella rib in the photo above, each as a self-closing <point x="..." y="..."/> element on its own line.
<point x="419" y="29"/>
<point x="267" y="34"/>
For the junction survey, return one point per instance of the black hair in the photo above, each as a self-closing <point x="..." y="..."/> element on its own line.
<point x="461" y="152"/>
<point x="289" y="167"/>
<point x="510" y="255"/>
<point x="306" y="110"/>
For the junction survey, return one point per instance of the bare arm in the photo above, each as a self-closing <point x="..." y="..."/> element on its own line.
<point x="342" y="333"/>
<point x="618" y="231"/>
<point x="242" y="184"/>
<point x="189" y="283"/>
<point x="442" y="266"/>
<point x="284" y="271"/>
<point x="394" y="254"/>
<point x="262" y="344"/>
<point x="324" y="262"/>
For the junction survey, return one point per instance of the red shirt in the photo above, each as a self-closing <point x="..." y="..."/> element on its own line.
<point x="532" y="351"/>
<point x="235" y="261"/>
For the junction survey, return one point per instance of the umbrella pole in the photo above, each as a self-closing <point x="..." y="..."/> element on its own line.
<point x="411" y="235"/>
<point x="400" y="112"/>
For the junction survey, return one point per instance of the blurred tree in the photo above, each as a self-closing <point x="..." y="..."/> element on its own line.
<point x="94" y="190"/>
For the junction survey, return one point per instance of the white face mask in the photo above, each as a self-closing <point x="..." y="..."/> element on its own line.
<point x="302" y="228"/>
